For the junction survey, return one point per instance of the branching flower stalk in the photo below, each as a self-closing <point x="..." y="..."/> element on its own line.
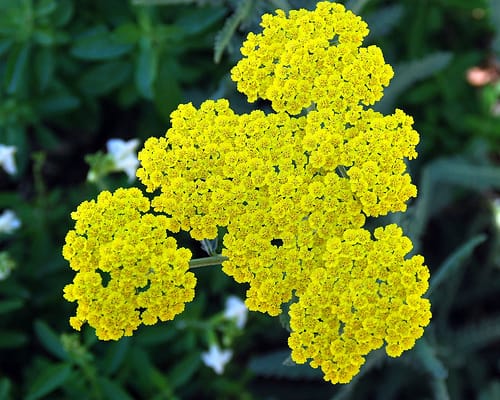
<point x="293" y="188"/>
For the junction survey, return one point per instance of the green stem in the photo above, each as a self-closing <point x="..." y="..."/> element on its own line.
<point x="342" y="171"/>
<point x="207" y="261"/>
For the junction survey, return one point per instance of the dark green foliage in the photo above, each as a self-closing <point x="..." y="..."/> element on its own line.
<point x="74" y="74"/>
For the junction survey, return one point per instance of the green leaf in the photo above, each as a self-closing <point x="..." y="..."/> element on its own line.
<point x="63" y="13"/>
<point x="5" y="45"/>
<point x="161" y="2"/>
<point x="275" y="365"/>
<point x="145" y="73"/>
<point x="475" y="336"/>
<point x="382" y="21"/>
<point x="406" y="74"/>
<point x="199" y="19"/>
<point x="58" y="102"/>
<point x="10" y="305"/>
<point x="100" y="45"/>
<point x="439" y="389"/>
<point x="116" y="355"/>
<point x="47" y="138"/>
<point x="184" y="369"/>
<point x="5" y="386"/>
<point x="16" y="66"/>
<point x="127" y="33"/>
<point x="454" y="261"/>
<point x="49" y="380"/>
<point x="167" y="92"/>
<point x="427" y="357"/>
<point x="112" y="390"/>
<point x="50" y="340"/>
<point x="356" y="6"/>
<point x="44" y="66"/>
<point x="103" y="78"/>
<point x="495" y="22"/>
<point x="491" y="392"/>
<point x="12" y="339"/>
<point x="45" y="7"/>
<point x="226" y="33"/>
<point x="448" y="171"/>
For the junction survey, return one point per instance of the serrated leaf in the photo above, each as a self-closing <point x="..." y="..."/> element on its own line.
<point x="226" y="33"/>
<point x="49" y="339"/>
<point x="453" y="261"/>
<point x="49" y="380"/>
<point x="449" y="171"/>
<point x="105" y="77"/>
<point x="273" y="365"/>
<point x="427" y="357"/>
<point x="472" y="337"/>
<point x="102" y="45"/>
<point x="407" y="74"/>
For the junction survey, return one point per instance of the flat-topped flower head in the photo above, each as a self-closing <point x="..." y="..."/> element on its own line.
<point x="364" y="296"/>
<point x="292" y="188"/>
<point x="312" y="58"/>
<point x="128" y="271"/>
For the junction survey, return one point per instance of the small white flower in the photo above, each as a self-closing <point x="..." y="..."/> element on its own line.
<point x="236" y="310"/>
<point x="124" y="155"/>
<point x="7" y="159"/>
<point x="216" y="358"/>
<point x="9" y="222"/>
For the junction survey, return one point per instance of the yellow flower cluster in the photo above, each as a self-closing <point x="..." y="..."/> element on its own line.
<point x="128" y="271"/>
<point x="312" y="58"/>
<point x="293" y="188"/>
<point x="365" y="294"/>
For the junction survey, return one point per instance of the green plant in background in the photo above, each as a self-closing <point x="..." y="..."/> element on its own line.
<point x="75" y="75"/>
<point x="293" y="190"/>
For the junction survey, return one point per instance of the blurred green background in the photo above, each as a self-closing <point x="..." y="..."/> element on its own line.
<point x="75" y="74"/>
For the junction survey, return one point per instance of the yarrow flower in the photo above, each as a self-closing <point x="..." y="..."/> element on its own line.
<point x="128" y="271"/>
<point x="293" y="188"/>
